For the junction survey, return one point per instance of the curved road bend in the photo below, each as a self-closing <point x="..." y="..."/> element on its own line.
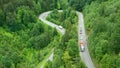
<point x="42" y="17"/>
<point x="85" y="56"/>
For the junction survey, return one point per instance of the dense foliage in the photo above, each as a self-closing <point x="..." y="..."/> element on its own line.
<point x="23" y="38"/>
<point x="66" y="51"/>
<point x="103" y="28"/>
<point x="25" y="41"/>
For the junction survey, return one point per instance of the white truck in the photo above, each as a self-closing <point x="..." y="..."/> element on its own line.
<point x="82" y="46"/>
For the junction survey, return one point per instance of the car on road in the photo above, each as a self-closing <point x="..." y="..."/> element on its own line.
<point x="60" y="27"/>
<point x="82" y="46"/>
<point x="80" y="30"/>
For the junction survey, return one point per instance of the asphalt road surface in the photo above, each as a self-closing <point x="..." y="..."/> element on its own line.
<point x="42" y="17"/>
<point x="85" y="56"/>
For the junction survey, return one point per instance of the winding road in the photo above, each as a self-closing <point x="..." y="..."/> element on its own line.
<point x="43" y="16"/>
<point x="85" y="56"/>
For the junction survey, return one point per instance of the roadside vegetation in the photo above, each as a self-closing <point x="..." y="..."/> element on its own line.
<point x="25" y="41"/>
<point x="66" y="53"/>
<point x="102" y="21"/>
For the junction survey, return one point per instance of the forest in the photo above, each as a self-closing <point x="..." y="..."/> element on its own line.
<point x="25" y="41"/>
<point x="102" y="21"/>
